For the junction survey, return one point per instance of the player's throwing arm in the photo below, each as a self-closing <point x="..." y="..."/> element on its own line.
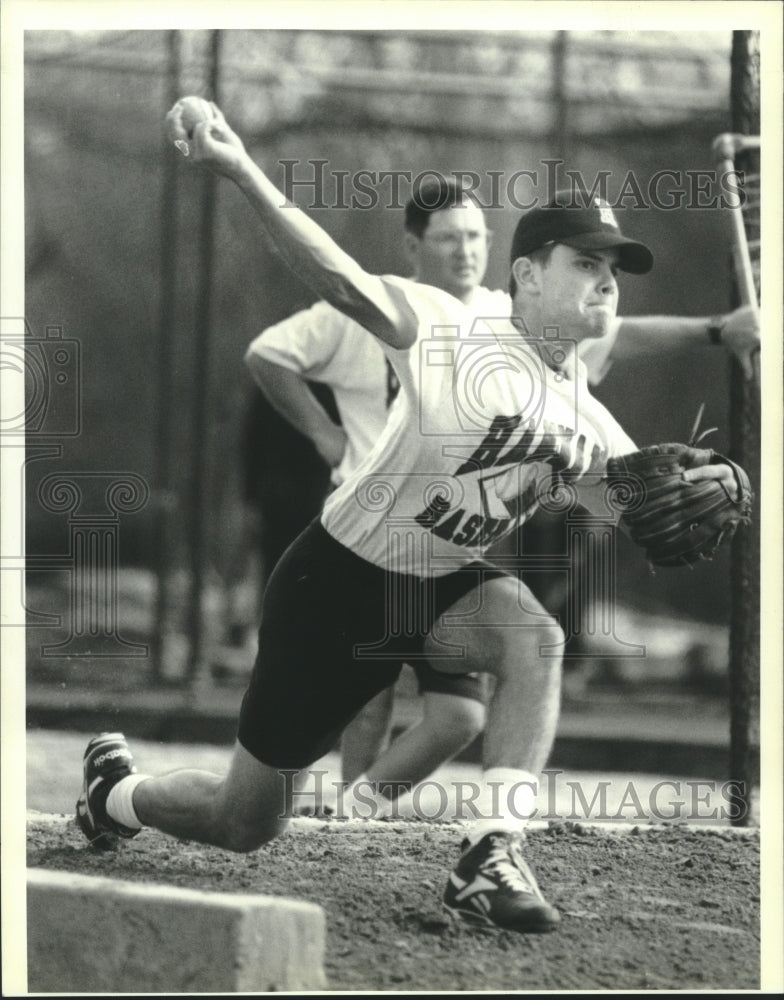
<point x="331" y="273"/>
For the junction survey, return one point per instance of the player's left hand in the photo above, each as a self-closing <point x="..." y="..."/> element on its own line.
<point x="701" y="469"/>
<point x="741" y="335"/>
<point x="720" y="471"/>
<point x="681" y="502"/>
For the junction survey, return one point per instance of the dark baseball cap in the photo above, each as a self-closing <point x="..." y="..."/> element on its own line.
<point x="591" y="226"/>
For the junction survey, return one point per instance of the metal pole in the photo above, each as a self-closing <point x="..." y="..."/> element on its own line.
<point x="199" y="675"/>
<point x="726" y="148"/>
<point x="165" y="498"/>
<point x="745" y="420"/>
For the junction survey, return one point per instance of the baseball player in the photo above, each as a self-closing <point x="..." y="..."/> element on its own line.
<point x="449" y="251"/>
<point x="322" y="345"/>
<point x="488" y="415"/>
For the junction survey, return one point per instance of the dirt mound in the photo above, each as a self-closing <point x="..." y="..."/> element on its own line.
<point x="655" y="907"/>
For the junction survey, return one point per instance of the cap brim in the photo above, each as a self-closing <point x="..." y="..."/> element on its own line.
<point x="633" y="257"/>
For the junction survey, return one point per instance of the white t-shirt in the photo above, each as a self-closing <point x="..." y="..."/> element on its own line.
<point x="480" y="430"/>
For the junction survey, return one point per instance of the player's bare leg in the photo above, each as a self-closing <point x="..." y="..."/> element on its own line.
<point x="365" y="737"/>
<point x="505" y="632"/>
<point x="238" y="811"/>
<point x="449" y="723"/>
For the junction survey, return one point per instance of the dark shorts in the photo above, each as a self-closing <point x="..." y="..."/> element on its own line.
<point x="335" y="631"/>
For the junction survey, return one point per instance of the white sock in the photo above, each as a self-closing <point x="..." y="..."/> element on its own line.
<point x="119" y="801"/>
<point x="506" y="802"/>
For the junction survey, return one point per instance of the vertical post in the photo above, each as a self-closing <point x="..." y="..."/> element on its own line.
<point x="199" y="667"/>
<point x="745" y="419"/>
<point x="168" y="270"/>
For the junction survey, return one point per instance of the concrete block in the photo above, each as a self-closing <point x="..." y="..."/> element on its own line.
<point x="99" y="935"/>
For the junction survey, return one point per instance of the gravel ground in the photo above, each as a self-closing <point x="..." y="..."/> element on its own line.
<point x="652" y="906"/>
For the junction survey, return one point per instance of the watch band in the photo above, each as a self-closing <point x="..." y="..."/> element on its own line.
<point x="715" y="327"/>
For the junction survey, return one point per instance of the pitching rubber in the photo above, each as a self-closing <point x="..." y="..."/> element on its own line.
<point x="90" y="934"/>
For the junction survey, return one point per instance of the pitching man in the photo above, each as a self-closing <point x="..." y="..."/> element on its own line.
<point x="446" y="243"/>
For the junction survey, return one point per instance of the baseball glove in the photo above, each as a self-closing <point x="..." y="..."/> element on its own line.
<point x="677" y="522"/>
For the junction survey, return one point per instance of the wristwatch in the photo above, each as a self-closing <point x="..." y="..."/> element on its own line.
<point x="715" y="326"/>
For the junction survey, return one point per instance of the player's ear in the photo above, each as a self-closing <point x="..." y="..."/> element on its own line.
<point x="526" y="275"/>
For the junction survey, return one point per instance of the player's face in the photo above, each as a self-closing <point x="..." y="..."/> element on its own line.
<point x="452" y="252"/>
<point x="579" y="292"/>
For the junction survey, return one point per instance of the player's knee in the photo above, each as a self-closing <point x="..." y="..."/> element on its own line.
<point x="465" y="720"/>
<point x="552" y="637"/>
<point x="243" y="837"/>
<point x="537" y="646"/>
<point x="545" y="639"/>
<point x="453" y="721"/>
<point x="367" y="727"/>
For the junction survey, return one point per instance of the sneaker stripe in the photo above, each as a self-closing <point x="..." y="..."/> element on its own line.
<point x="479" y="884"/>
<point x="482" y="902"/>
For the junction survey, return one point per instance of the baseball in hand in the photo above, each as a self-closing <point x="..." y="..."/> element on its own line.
<point x="184" y="116"/>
